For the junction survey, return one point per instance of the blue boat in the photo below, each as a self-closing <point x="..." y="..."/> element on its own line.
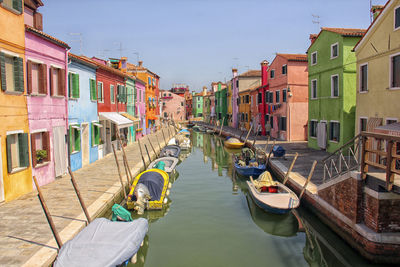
<point x="248" y="171"/>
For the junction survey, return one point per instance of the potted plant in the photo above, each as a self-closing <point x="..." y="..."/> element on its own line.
<point x="41" y="155"/>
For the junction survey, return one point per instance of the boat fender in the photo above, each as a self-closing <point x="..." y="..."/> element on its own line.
<point x="165" y="200"/>
<point x="168" y="192"/>
<point x="169" y="186"/>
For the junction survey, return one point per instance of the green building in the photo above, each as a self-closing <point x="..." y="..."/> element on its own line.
<point x="197" y="105"/>
<point x="221" y="104"/>
<point x="130" y="106"/>
<point x="332" y="87"/>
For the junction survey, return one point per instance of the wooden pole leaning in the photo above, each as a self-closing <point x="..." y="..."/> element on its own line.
<point x="165" y="141"/>
<point x="222" y="125"/>
<point x="129" y="175"/>
<point x="119" y="170"/>
<point x="148" y="154"/>
<point x="148" y="138"/>
<point x="159" y="145"/>
<point x="141" y="154"/>
<point x="290" y="168"/>
<point x="48" y="215"/>
<point x="247" y="136"/>
<point x="81" y="201"/>
<point x="270" y="152"/>
<point x="266" y="146"/>
<point x="308" y="179"/>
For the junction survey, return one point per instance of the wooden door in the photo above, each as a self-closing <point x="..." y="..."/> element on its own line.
<point x="60" y="155"/>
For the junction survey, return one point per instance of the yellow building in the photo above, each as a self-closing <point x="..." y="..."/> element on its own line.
<point x="378" y="70"/>
<point x="15" y="171"/>
<point x="244" y="109"/>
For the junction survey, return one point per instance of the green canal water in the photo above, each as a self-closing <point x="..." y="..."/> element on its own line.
<point x="212" y="221"/>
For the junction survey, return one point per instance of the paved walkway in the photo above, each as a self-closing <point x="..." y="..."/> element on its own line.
<point x="25" y="236"/>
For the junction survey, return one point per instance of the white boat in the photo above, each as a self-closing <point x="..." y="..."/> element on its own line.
<point x="272" y="196"/>
<point x="170" y="163"/>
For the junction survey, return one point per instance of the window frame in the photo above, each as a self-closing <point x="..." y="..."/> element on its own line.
<point x="391" y="71"/>
<point x="391" y="119"/>
<point x="61" y="81"/>
<point x="284" y="67"/>
<point x="272" y="71"/>
<point x="394" y="18"/>
<point x="284" y="95"/>
<point x="20" y="79"/>
<point x="93" y="137"/>
<point x="102" y="91"/>
<point x="316" y="128"/>
<point x="12" y="9"/>
<point x="359" y="123"/>
<point x="112" y="94"/>
<point x="277" y="96"/>
<point x="70" y="126"/>
<point x="316" y="58"/>
<point x="338" y="87"/>
<point x="330" y="131"/>
<point x="337" y="45"/>
<point x="10" y="169"/>
<point x="316" y="89"/>
<point x="43" y="132"/>
<point x="361" y="79"/>
<point x="71" y="95"/>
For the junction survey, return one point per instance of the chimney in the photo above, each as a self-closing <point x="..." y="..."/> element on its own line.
<point x="376" y="10"/>
<point x="264" y="72"/>
<point x="234" y="73"/>
<point x="123" y="65"/>
<point x="140" y="64"/>
<point x="204" y="90"/>
<point x="313" y="37"/>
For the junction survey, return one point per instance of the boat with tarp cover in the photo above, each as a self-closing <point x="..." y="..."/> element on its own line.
<point x="149" y="191"/>
<point x="171" y="151"/>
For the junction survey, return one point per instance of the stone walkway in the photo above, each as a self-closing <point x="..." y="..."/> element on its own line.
<point x="25" y="235"/>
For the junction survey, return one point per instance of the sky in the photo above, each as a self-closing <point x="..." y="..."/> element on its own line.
<point x="197" y="42"/>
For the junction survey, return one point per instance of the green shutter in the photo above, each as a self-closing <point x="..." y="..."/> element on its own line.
<point x="97" y="135"/>
<point x="9" y="161"/>
<point x="20" y="75"/>
<point x="17" y="5"/>
<point x="77" y="140"/>
<point x="69" y="84"/>
<point x="71" y="141"/>
<point x="118" y="93"/>
<point x="23" y="150"/>
<point x="3" y="71"/>
<point x="75" y="85"/>
<point x="16" y="75"/>
<point x="92" y="89"/>
<point x="92" y="133"/>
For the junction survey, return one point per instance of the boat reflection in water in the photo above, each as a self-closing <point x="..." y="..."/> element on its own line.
<point x="141" y="254"/>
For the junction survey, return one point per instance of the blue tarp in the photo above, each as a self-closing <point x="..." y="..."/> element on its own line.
<point x="154" y="182"/>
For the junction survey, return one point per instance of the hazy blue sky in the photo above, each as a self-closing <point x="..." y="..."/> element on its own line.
<point x="197" y="41"/>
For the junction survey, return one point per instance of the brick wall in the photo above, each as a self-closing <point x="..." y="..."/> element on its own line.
<point x="381" y="215"/>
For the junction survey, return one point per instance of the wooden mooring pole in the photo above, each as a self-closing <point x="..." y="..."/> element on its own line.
<point x="270" y="152"/>
<point x="222" y="125"/>
<point x="159" y="145"/>
<point x="129" y="175"/>
<point x="148" y="154"/>
<point x="165" y="141"/>
<point x="141" y="154"/>
<point x="47" y="213"/>
<point x="266" y="146"/>
<point x="247" y="136"/>
<point x="148" y="138"/>
<point x="119" y="170"/>
<point x="290" y="168"/>
<point x="308" y="179"/>
<point x="78" y="193"/>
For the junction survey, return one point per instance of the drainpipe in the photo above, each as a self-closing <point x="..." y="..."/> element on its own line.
<point x="66" y="109"/>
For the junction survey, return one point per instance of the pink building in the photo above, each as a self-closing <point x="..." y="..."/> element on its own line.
<point x="46" y="64"/>
<point x="173" y="106"/>
<point x="140" y="107"/>
<point x="287" y="97"/>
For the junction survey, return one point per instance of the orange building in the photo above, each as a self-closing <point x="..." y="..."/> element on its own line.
<point x="244" y="109"/>
<point x="151" y="93"/>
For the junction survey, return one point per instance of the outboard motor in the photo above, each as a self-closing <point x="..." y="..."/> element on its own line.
<point x="142" y="198"/>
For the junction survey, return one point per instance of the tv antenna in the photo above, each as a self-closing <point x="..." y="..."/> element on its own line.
<point x="316" y="20"/>
<point x="120" y="49"/>
<point x="77" y="38"/>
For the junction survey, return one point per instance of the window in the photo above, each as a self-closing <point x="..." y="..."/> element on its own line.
<point x="40" y="144"/>
<point x="96" y="133"/>
<point x="390" y="121"/>
<point x="247" y="117"/>
<point x="313" y="89"/>
<point x="36" y="78"/>
<point x="282" y="123"/>
<point x="277" y="97"/>
<point x="363" y="124"/>
<point x="121" y="94"/>
<point x="335" y="85"/>
<point x="334" y="131"/>
<point x="247" y="99"/>
<point x="395" y="72"/>
<point x="15" y="5"/>
<point x="57" y="81"/>
<point x="169" y="95"/>
<point x="165" y="114"/>
<point x="313" y="128"/>
<point x="284" y="96"/>
<point x="266" y="118"/>
<point x="92" y="84"/>
<point x="17" y="152"/>
<point x="237" y="83"/>
<point x="100" y="92"/>
<point x="182" y="104"/>
<point x="73" y="85"/>
<point x="314" y="58"/>
<point x="112" y="94"/>
<point x="272" y="74"/>
<point x="198" y="105"/>
<point x="397" y="18"/>
<point x="364" y="78"/>
<point x="284" y="69"/>
<point x="271" y="121"/>
<point x="12" y="73"/>
<point x="259" y="100"/>
<point x="74" y="138"/>
<point x="334" y="51"/>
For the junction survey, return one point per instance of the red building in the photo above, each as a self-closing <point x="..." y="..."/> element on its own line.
<point x="189" y="107"/>
<point x="180" y="89"/>
<point x="263" y="114"/>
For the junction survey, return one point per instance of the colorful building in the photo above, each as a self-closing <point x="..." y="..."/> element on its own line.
<point x="197" y="105"/>
<point x="244" y="110"/>
<point x="262" y="97"/>
<point x="229" y="103"/>
<point x="288" y="97"/>
<point x="140" y="108"/>
<point x="15" y="171"/>
<point x="221" y="105"/>
<point x="207" y="106"/>
<point x="254" y="109"/>
<point x="180" y="89"/>
<point x="378" y="74"/>
<point x="332" y="87"/>
<point x="189" y="105"/>
<point x="173" y="106"/>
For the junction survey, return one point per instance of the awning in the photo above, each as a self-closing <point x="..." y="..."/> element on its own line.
<point x="390" y="129"/>
<point x="75" y="127"/>
<point x="116" y="118"/>
<point x="97" y="124"/>
<point x="129" y="116"/>
<point x="373" y="123"/>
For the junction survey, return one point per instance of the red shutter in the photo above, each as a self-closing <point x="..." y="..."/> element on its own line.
<point x="51" y="81"/>
<point x="29" y="76"/>
<point x="33" y="149"/>
<point x="46" y="144"/>
<point x="43" y="79"/>
<point x="61" y="82"/>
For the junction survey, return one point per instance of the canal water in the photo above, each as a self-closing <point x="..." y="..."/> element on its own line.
<point x="211" y="220"/>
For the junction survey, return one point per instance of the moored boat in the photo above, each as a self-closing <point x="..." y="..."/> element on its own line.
<point x="168" y="166"/>
<point x="198" y="128"/>
<point x="233" y="143"/>
<point x="249" y="170"/>
<point x="272" y="196"/>
<point x="170" y="151"/>
<point x="149" y="191"/>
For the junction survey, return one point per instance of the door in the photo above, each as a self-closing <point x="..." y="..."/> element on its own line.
<point x="60" y="154"/>
<point x="1" y="176"/>
<point x="85" y="144"/>
<point x="321" y="134"/>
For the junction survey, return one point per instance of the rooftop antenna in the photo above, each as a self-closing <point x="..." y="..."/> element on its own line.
<point x="78" y="39"/>
<point x="236" y="59"/>
<point x="137" y="56"/>
<point x="316" y="20"/>
<point x="102" y="52"/>
<point x="120" y="49"/>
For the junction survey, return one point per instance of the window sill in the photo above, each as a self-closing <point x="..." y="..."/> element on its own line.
<point x="313" y="137"/>
<point x="13" y="92"/>
<point x="75" y="152"/>
<point x="333" y="141"/>
<point x="363" y="92"/>
<point x="394" y="88"/>
<point x="334" y="57"/>
<point x="19" y="169"/>
<point x="73" y="99"/>
<point x="38" y="94"/>
<point x="42" y="164"/>
<point x="334" y="97"/>
<point x="58" y="96"/>
<point x="315" y="98"/>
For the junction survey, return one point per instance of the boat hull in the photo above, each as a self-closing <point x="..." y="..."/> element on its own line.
<point x="250" y="171"/>
<point x="233" y="145"/>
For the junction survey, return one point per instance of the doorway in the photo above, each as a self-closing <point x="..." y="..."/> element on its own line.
<point x="1" y="176"/>
<point x="60" y="155"/>
<point x="85" y="144"/>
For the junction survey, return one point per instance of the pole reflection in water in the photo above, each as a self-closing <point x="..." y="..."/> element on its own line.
<point x="211" y="220"/>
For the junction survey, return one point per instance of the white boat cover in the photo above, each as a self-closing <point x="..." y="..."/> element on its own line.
<point x="116" y="118"/>
<point x="103" y="243"/>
